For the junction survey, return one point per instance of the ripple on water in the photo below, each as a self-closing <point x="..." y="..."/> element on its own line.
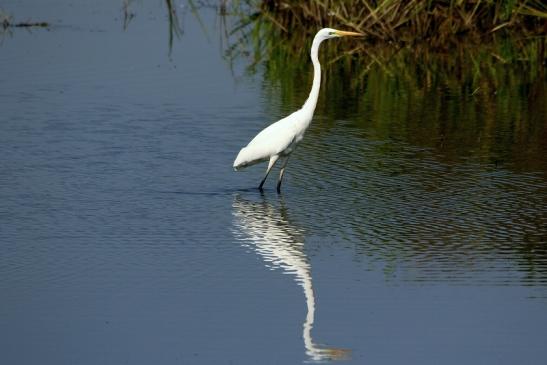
<point x="431" y="220"/>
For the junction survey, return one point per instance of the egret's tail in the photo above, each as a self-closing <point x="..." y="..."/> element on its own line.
<point x="249" y="156"/>
<point x="241" y="160"/>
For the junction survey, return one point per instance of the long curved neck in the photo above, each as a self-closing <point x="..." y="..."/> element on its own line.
<point x="314" y="93"/>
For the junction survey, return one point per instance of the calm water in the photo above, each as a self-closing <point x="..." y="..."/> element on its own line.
<point x="125" y="236"/>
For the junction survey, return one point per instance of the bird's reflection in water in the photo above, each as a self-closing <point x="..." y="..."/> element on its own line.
<point x="266" y="229"/>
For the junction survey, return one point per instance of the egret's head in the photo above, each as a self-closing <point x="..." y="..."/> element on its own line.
<point x="327" y="33"/>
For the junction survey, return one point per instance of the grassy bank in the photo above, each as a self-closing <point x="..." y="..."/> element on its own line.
<point x="468" y="40"/>
<point x="436" y="22"/>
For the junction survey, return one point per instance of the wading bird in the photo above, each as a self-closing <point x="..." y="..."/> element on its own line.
<point x="279" y="140"/>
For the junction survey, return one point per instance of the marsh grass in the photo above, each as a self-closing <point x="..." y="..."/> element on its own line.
<point x="508" y="31"/>
<point x="278" y="34"/>
<point x="436" y="22"/>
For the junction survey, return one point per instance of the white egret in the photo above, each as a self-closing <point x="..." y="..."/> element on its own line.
<point x="279" y="140"/>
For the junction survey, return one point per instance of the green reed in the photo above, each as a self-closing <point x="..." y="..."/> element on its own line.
<point x="410" y="21"/>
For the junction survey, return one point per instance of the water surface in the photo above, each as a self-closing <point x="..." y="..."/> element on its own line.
<point x="400" y="236"/>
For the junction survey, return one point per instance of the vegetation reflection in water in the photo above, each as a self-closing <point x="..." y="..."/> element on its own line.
<point x="268" y="231"/>
<point x="480" y="101"/>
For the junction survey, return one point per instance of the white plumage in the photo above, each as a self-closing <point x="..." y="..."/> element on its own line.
<point x="279" y="140"/>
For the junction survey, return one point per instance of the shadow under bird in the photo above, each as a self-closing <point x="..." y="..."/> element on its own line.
<point x="279" y="140"/>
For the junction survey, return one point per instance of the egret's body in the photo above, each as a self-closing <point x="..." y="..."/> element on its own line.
<point x="279" y="140"/>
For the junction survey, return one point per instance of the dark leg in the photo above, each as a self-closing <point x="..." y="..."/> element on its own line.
<point x="273" y="159"/>
<point x="281" y="173"/>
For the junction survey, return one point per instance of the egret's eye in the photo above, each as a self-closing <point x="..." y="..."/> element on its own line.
<point x="331" y="33"/>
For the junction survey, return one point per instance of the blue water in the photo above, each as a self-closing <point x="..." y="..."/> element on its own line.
<point x="125" y="236"/>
